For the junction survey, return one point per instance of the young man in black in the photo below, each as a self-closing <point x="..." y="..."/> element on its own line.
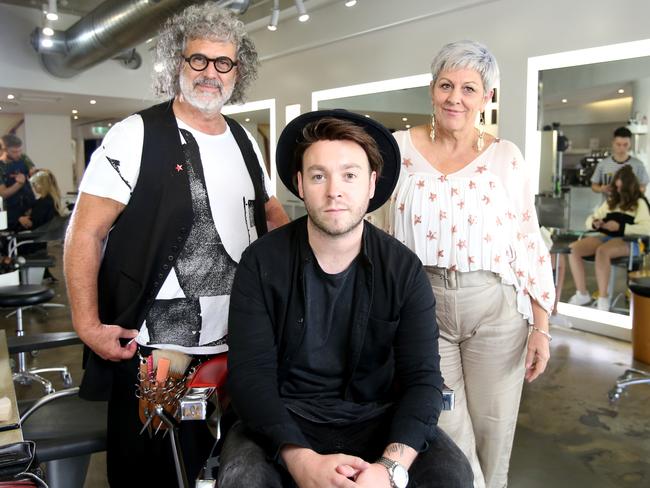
<point x="333" y="359"/>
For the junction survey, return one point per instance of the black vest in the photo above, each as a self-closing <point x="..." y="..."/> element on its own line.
<point x="149" y="234"/>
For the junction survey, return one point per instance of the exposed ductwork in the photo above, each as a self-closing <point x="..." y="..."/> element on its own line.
<point x="111" y="31"/>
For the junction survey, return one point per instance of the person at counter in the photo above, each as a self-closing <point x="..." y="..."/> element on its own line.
<point x="625" y="212"/>
<point x="602" y="179"/>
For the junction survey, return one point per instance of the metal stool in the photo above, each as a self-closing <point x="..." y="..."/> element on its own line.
<point x="24" y="296"/>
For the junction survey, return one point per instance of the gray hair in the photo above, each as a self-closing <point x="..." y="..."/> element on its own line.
<point x="10" y="140"/>
<point x="205" y="21"/>
<point x="467" y="55"/>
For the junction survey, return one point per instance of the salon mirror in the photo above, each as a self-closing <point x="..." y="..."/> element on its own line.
<point x="585" y="95"/>
<point x="258" y="118"/>
<point x="399" y="104"/>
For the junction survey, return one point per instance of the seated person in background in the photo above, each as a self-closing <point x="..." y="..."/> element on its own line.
<point x="46" y="206"/>
<point x="47" y="203"/>
<point x="14" y="185"/>
<point x="603" y="177"/>
<point x="625" y="212"/>
<point x="333" y="360"/>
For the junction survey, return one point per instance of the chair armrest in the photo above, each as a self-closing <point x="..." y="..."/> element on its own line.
<point x="46" y="340"/>
<point x="47" y="399"/>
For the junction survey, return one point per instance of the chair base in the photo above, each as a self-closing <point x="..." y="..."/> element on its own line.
<point x="34" y="375"/>
<point x="630" y="377"/>
<point x="67" y="472"/>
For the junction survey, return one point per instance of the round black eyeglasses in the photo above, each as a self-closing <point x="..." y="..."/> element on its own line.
<point x="198" y="62"/>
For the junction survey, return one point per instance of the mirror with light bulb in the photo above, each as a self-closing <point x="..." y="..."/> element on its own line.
<point x="398" y="104"/>
<point x="576" y="100"/>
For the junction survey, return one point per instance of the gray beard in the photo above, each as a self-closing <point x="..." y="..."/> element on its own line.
<point x="210" y="106"/>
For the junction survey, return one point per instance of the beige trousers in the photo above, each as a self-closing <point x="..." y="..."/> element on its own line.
<point x="482" y="349"/>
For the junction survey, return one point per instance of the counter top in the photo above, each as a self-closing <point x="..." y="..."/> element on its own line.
<point x="9" y="430"/>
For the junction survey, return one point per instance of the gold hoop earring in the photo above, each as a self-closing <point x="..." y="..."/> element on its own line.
<point x="432" y="133"/>
<point x="480" y="144"/>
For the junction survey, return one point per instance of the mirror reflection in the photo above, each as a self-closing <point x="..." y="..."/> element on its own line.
<point x="593" y="121"/>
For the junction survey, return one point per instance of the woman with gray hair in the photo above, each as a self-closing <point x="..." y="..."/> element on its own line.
<point x="465" y="206"/>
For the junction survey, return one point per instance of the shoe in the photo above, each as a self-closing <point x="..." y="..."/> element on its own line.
<point x="580" y="299"/>
<point x="603" y="303"/>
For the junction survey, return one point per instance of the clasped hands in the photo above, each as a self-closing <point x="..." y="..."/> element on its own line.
<point x="610" y="225"/>
<point x="312" y="470"/>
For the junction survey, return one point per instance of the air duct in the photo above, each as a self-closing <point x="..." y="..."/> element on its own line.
<point x="111" y="31"/>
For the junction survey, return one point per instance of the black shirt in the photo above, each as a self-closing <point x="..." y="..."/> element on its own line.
<point x="314" y="385"/>
<point x="392" y="351"/>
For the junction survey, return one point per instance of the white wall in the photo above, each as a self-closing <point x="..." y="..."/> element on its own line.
<point x="47" y="142"/>
<point x="376" y="40"/>
<point x="294" y="66"/>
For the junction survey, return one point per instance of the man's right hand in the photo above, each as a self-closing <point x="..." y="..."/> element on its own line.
<point x="312" y="470"/>
<point x="20" y="178"/>
<point x="104" y="340"/>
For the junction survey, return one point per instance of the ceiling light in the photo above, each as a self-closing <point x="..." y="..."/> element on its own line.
<point x="158" y="67"/>
<point x="367" y="115"/>
<point x="247" y="119"/>
<point x="564" y="100"/>
<point x="110" y="124"/>
<point x="149" y="40"/>
<point x="93" y="102"/>
<point x="303" y="16"/>
<point x="10" y="96"/>
<point x="404" y="119"/>
<point x="76" y="117"/>
<point x="75" y="111"/>
<point x="350" y="3"/>
<point x="47" y="42"/>
<point x="52" y="12"/>
<point x="275" y="16"/>
<point x="621" y="91"/>
<point x="408" y="126"/>
<point x="48" y="31"/>
<point x="0" y="108"/>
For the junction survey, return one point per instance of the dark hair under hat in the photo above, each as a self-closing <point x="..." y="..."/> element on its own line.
<point x="292" y="137"/>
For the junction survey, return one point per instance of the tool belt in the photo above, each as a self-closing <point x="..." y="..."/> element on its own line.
<point x="159" y="395"/>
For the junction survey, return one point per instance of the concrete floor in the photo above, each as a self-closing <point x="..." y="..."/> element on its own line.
<point x="568" y="433"/>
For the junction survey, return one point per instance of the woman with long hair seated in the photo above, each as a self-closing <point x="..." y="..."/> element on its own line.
<point x="625" y="212"/>
<point x="48" y="201"/>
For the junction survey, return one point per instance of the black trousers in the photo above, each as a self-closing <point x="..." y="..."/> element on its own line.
<point x="137" y="460"/>
<point x="244" y="463"/>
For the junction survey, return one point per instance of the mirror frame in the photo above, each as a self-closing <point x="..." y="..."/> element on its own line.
<point x="414" y="81"/>
<point x="606" y="323"/>
<point x="268" y="104"/>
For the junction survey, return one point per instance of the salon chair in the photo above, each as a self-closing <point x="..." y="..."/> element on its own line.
<point x="208" y="385"/>
<point x="33" y="265"/>
<point x="66" y="430"/>
<point x="628" y="263"/>
<point x="640" y="288"/>
<point x="20" y="297"/>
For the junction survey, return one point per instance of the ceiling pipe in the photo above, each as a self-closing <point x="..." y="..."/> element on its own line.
<point x="110" y="31"/>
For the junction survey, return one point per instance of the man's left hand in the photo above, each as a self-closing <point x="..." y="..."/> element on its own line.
<point x="537" y="355"/>
<point x="375" y="476"/>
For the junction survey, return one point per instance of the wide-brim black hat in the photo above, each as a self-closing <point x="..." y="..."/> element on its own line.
<point x="292" y="135"/>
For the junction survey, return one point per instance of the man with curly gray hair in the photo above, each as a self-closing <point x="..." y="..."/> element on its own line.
<point x="183" y="191"/>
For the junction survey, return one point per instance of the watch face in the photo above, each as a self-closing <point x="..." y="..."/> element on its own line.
<point x="400" y="476"/>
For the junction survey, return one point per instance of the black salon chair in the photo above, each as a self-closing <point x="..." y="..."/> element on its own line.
<point x="66" y="430"/>
<point x="19" y="297"/>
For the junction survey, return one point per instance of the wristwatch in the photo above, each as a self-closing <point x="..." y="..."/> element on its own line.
<point x="399" y="476"/>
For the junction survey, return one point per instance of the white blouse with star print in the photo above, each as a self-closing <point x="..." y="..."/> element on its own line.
<point x="481" y="217"/>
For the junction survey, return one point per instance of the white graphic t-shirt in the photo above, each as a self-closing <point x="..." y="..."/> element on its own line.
<point x="191" y="308"/>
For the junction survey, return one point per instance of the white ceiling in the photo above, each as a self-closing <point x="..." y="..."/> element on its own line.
<point x="107" y="108"/>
